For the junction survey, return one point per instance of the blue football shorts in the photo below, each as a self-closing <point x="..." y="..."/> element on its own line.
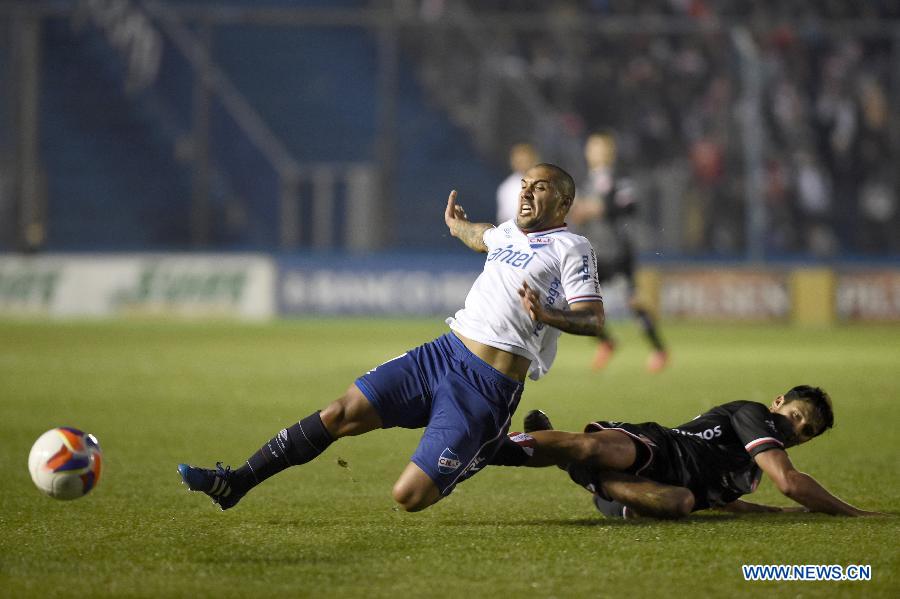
<point x="464" y="404"/>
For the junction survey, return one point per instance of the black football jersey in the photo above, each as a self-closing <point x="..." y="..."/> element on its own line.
<point x="712" y="455"/>
<point x="722" y="442"/>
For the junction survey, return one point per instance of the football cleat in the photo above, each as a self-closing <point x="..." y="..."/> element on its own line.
<point x="536" y="420"/>
<point x="603" y="355"/>
<point x="657" y="361"/>
<point x="610" y="509"/>
<point x="215" y="483"/>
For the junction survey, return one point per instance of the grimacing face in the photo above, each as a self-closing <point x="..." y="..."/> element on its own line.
<point x="799" y="415"/>
<point x="541" y="205"/>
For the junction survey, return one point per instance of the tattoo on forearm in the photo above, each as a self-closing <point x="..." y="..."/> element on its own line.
<point x="578" y="323"/>
<point x="472" y="234"/>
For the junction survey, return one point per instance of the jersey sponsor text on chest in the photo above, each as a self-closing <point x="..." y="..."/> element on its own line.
<point x="510" y="256"/>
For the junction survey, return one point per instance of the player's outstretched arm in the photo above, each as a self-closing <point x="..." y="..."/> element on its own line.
<point x="471" y="234"/>
<point x="803" y="488"/>
<point x="584" y="318"/>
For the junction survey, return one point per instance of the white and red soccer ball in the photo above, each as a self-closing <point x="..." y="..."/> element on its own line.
<point x="65" y="463"/>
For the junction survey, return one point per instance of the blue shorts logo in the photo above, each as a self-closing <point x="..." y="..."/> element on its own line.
<point x="448" y="462"/>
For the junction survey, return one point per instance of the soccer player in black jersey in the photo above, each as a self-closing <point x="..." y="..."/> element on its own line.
<point x="605" y="213"/>
<point x="710" y="462"/>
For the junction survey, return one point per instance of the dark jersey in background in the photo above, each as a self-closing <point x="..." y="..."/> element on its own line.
<point x="611" y="235"/>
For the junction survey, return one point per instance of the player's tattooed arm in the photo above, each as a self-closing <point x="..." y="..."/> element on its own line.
<point x="585" y="318"/>
<point x="471" y="234"/>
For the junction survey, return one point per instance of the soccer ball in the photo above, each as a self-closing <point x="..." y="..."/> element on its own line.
<point x="65" y="463"/>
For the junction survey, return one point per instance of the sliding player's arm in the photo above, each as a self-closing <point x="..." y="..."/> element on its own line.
<point x="582" y="318"/>
<point x="803" y="488"/>
<point x="471" y="234"/>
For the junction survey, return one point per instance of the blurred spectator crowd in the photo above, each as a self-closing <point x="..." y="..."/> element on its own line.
<point x="673" y="92"/>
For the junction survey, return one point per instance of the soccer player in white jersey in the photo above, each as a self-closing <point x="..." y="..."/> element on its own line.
<point x="538" y="280"/>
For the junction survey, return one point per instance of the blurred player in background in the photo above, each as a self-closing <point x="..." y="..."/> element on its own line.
<point x="710" y="462"/>
<point x="522" y="156"/>
<point x="538" y="281"/>
<point x="603" y="213"/>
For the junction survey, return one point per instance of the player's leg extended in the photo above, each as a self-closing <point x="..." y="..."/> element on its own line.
<point x="644" y="496"/>
<point x="351" y="414"/>
<point x="472" y="407"/>
<point x="604" y="450"/>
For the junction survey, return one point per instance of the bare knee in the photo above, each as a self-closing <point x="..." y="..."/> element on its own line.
<point x="415" y="490"/>
<point x="411" y="497"/>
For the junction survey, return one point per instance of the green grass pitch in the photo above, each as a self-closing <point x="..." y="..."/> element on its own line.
<point x="156" y="394"/>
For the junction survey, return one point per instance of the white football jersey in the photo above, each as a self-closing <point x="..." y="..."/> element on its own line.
<point x="557" y="263"/>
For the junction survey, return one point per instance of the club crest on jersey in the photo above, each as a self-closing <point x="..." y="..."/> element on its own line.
<point x="537" y="243"/>
<point x="448" y="462"/>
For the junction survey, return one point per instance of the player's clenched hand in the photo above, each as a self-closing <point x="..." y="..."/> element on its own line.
<point x="531" y="301"/>
<point x="454" y="215"/>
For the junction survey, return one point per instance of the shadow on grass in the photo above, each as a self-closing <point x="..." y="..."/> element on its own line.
<point x="640" y="522"/>
<point x="700" y="518"/>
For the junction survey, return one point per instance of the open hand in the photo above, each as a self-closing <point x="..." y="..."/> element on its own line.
<point x="531" y="301"/>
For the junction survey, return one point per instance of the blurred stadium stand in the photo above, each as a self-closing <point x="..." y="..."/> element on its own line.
<point x="755" y="129"/>
<point x="113" y="182"/>
<point x="281" y="150"/>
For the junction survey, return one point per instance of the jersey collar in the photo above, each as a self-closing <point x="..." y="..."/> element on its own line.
<point x="564" y="227"/>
